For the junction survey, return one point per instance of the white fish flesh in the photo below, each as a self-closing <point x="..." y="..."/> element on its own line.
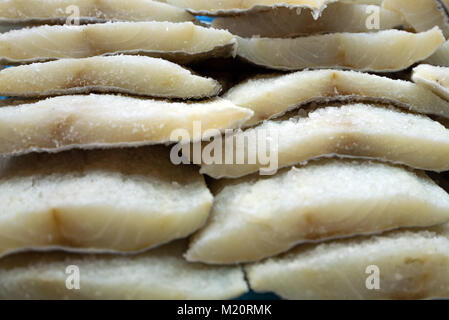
<point x="89" y="11"/>
<point x="383" y="51"/>
<point x="359" y="130"/>
<point x="409" y="265"/>
<point x="258" y="217"/>
<point x="287" y="23"/>
<point x="98" y="201"/>
<point x="272" y="97"/>
<point x="156" y="275"/>
<point x="136" y="75"/>
<point x="181" y="42"/>
<point x="422" y="15"/>
<point x="434" y="78"/>
<point x="105" y="121"/>
<point x="236" y="7"/>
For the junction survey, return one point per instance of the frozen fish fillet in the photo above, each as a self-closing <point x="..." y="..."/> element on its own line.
<point x="348" y="131"/>
<point x="374" y="2"/>
<point x="108" y="121"/>
<point x="137" y="75"/>
<point x="440" y="57"/>
<point x="161" y="273"/>
<point x="383" y="51"/>
<point x="236" y="7"/>
<point x="105" y="200"/>
<point x="258" y="217"/>
<point x="434" y="78"/>
<point x="181" y="42"/>
<point x="286" y="23"/>
<point x="422" y="15"/>
<point x="409" y="265"/>
<point x="272" y="97"/>
<point x="59" y="11"/>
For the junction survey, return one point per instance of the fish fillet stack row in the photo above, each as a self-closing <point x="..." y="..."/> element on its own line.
<point x="354" y="124"/>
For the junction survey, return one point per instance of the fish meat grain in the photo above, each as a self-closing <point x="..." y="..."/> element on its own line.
<point x="355" y="131"/>
<point x="180" y="42"/>
<point x="412" y="264"/>
<point x="273" y="96"/>
<point x="107" y="121"/>
<point x="383" y="51"/>
<point x="136" y="75"/>
<point x="122" y="200"/>
<point x="433" y="78"/>
<point x="257" y="217"/>
<point x="287" y="23"/>
<point x="161" y="273"/>
<point x="89" y="11"/>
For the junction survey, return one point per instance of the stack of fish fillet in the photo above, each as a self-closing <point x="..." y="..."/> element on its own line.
<point x="349" y="100"/>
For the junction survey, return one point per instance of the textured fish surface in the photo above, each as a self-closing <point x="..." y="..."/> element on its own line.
<point x="158" y="274"/>
<point x="257" y="217"/>
<point x="286" y="23"/>
<point x="440" y="57"/>
<point x="182" y="42"/>
<point x="434" y="78"/>
<point x="422" y="15"/>
<point x="236" y="7"/>
<point x="273" y="96"/>
<point x="359" y="130"/>
<point x="61" y="11"/>
<point x="104" y="200"/>
<point x="105" y="121"/>
<point x="408" y="265"/>
<point x="136" y="75"/>
<point x="383" y="51"/>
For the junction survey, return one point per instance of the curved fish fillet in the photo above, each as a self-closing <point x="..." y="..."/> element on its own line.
<point x="108" y="121"/>
<point x="105" y="200"/>
<point x="258" y="217"/>
<point x="348" y="131"/>
<point x="44" y="11"/>
<point x="181" y="42"/>
<point x="236" y="7"/>
<point x="158" y="274"/>
<point x="411" y="265"/>
<point x="287" y="23"/>
<point x="272" y="97"/>
<point x="434" y="78"/>
<point x="136" y="75"/>
<point x="422" y="15"/>
<point x="383" y="51"/>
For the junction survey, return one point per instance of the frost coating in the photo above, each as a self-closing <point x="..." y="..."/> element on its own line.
<point x="180" y="42"/>
<point x="135" y="75"/>
<point x="253" y="218"/>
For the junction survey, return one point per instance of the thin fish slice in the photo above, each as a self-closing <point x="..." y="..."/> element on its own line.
<point x="383" y="51"/>
<point x="258" y="217"/>
<point x="408" y="264"/>
<point x="373" y="2"/>
<point x="434" y="78"/>
<point x="180" y="42"/>
<point x="104" y="200"/>
<point x="108" y="121"/>
<point x="236" y="7"/>
<point x="348" y="131"/>
<point x="272" y="97"/>
<point x="158" y="274"/>
<point x="422" y="15"/>
<point x="58" y="11"/>
<point x="440" y="57"/>
<point x="137" y="75"/>
<point x="286" y="23"/>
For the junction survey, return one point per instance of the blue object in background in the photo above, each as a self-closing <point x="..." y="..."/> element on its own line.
<point x="205" y="19"/>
